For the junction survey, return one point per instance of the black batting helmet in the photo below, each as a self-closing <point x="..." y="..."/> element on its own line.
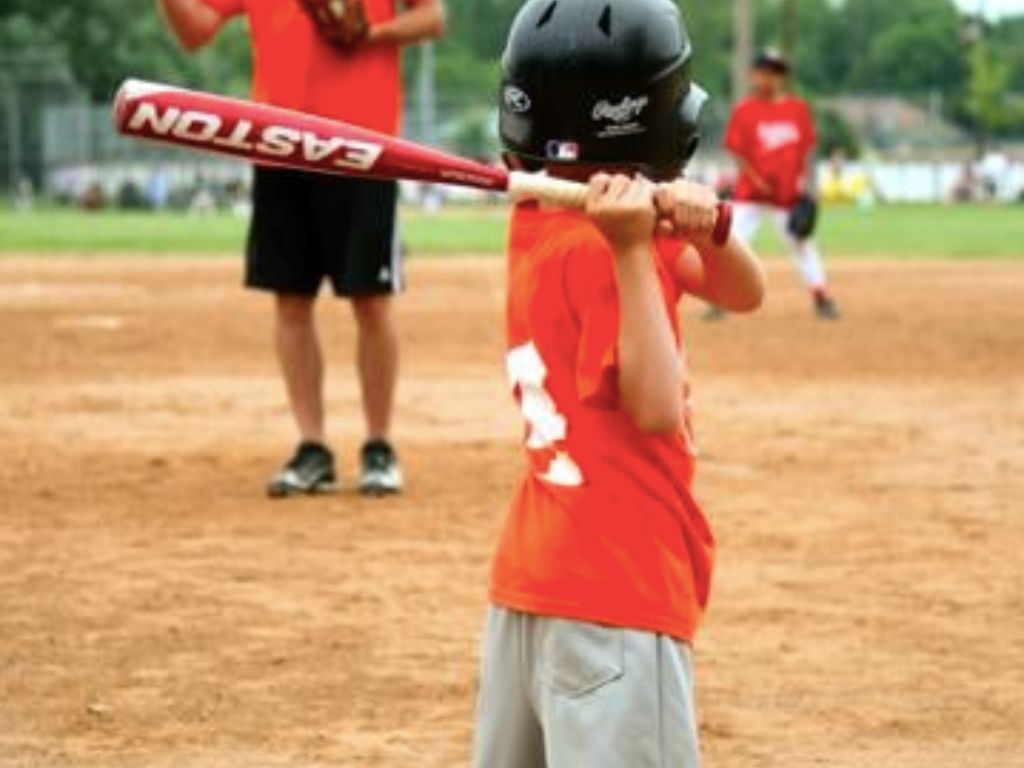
<point x="600" y="82"/>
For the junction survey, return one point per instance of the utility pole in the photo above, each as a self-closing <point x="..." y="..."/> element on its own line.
<point x="743" y="45"/>
<point x="13" y="110"/>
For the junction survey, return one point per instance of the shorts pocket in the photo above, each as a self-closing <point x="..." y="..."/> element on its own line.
<point x="578" y="658"/>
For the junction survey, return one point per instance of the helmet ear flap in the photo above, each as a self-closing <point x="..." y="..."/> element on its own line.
<point x="693" y="104"/>
<point x="690" y="148"/>
<point x="689" y="117"/>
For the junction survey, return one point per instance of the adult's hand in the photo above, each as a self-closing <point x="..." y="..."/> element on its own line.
<point x="343" y="23"/>
<point x="193" y="22"/>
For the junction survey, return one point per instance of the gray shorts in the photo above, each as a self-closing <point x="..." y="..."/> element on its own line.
<point x="556" y="693"/>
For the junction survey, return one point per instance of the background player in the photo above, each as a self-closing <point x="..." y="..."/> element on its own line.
<point x="771" y="134"/>
<point x="603" y="570"/>
<point x="338" y="60"/>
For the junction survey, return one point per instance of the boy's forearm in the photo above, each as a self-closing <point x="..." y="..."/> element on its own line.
<point x="422" y="22"/>
<point x="193" y="23"/>
<point x="734" y="277"/>
<point x="650" y="370"/>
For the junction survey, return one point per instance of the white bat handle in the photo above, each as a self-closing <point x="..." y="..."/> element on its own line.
<point x="570" y="194"/>
<point x="545" y="189"/>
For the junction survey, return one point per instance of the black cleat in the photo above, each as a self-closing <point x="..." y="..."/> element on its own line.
<point x="826" y="308"/>
<point x="381" y="475"/>
<point x="310" y="471"/>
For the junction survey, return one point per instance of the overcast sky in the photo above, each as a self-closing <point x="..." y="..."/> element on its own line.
<point x="993" y="7"/>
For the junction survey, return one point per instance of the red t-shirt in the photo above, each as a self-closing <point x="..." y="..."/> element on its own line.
<point x="295" y="67"/>
<point x="603" y="527"/>
<point x="775" y="137"/>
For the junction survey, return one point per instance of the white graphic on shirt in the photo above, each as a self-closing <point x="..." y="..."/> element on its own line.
<point x="547" y="427"/>
<point x="775" y="136"/>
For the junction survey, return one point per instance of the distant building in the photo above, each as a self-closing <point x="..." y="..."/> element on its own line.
<point x="887" y="122"/>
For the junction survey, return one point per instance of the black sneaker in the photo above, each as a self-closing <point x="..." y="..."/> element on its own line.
<point x="310" y="471"/>
<point x="381" y="475"/>
<point x="826" y="308"/>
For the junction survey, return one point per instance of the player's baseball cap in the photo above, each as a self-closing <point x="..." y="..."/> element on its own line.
<point x="772" y="60"/>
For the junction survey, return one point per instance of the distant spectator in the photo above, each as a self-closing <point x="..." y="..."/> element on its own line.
<point x="130" y="197"/>
<point x="845" y="185"/>
<point x="93" y="198"/>
<point x="203" y="203"/>
<point x="965" y="190"/>
<point x="994" y="170"/>
<point x="158" y="189"/>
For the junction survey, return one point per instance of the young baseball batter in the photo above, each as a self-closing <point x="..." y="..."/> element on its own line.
<point x="603" y="569"/>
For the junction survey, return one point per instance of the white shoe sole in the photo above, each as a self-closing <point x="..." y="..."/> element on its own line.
<point x="381" y="482"/>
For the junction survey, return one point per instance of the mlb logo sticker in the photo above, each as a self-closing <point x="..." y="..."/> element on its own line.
<point x="563" y="150"/>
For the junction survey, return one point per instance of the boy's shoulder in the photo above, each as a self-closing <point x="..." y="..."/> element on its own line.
<point x="557" y="258"/>
<point x="568" y="247"/>
<point x="552" y="232"/>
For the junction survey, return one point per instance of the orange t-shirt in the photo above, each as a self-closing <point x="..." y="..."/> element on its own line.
<point x="603" y="527"/>
<point x="295" y="67"/>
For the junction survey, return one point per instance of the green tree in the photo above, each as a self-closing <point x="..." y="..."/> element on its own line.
<point x="1007" y="45"/>
<point x="985" y="102"/>
<point x="913" y="59"/>
<point x="710" y="27"/>
<point x="911" y="47"/>
<point x="102" y="49"/>
<point x="834" y="133"/>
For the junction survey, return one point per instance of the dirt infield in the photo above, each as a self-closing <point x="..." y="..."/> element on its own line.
<point x="865" y="480"/>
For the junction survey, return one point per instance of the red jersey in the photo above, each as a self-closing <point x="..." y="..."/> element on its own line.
<point x="775" y="137"/>
<point x="603" y="527"/>
<point x="295" y="67"/>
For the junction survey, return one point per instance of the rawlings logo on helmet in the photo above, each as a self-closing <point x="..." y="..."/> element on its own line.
<point x="630" y="108"/>
<point x="516" y="100"/>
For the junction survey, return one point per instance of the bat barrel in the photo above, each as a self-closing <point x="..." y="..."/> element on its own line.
<point x="270" y="135"/>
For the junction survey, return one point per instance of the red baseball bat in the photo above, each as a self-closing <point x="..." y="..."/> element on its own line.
<point x="282" y="137"/>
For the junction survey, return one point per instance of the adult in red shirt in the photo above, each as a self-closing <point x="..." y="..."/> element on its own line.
<point x="307" y="228"/>
<point x="771" y="134"/>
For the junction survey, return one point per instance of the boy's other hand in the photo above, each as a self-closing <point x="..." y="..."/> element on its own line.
<point x="623" y="209"/>
<point x="686" y="209"/>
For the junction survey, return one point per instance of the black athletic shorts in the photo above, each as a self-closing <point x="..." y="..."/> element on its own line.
<point x="306" y="227"/>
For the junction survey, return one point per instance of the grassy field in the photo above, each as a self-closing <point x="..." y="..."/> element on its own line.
<point x="967" y="232"/>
